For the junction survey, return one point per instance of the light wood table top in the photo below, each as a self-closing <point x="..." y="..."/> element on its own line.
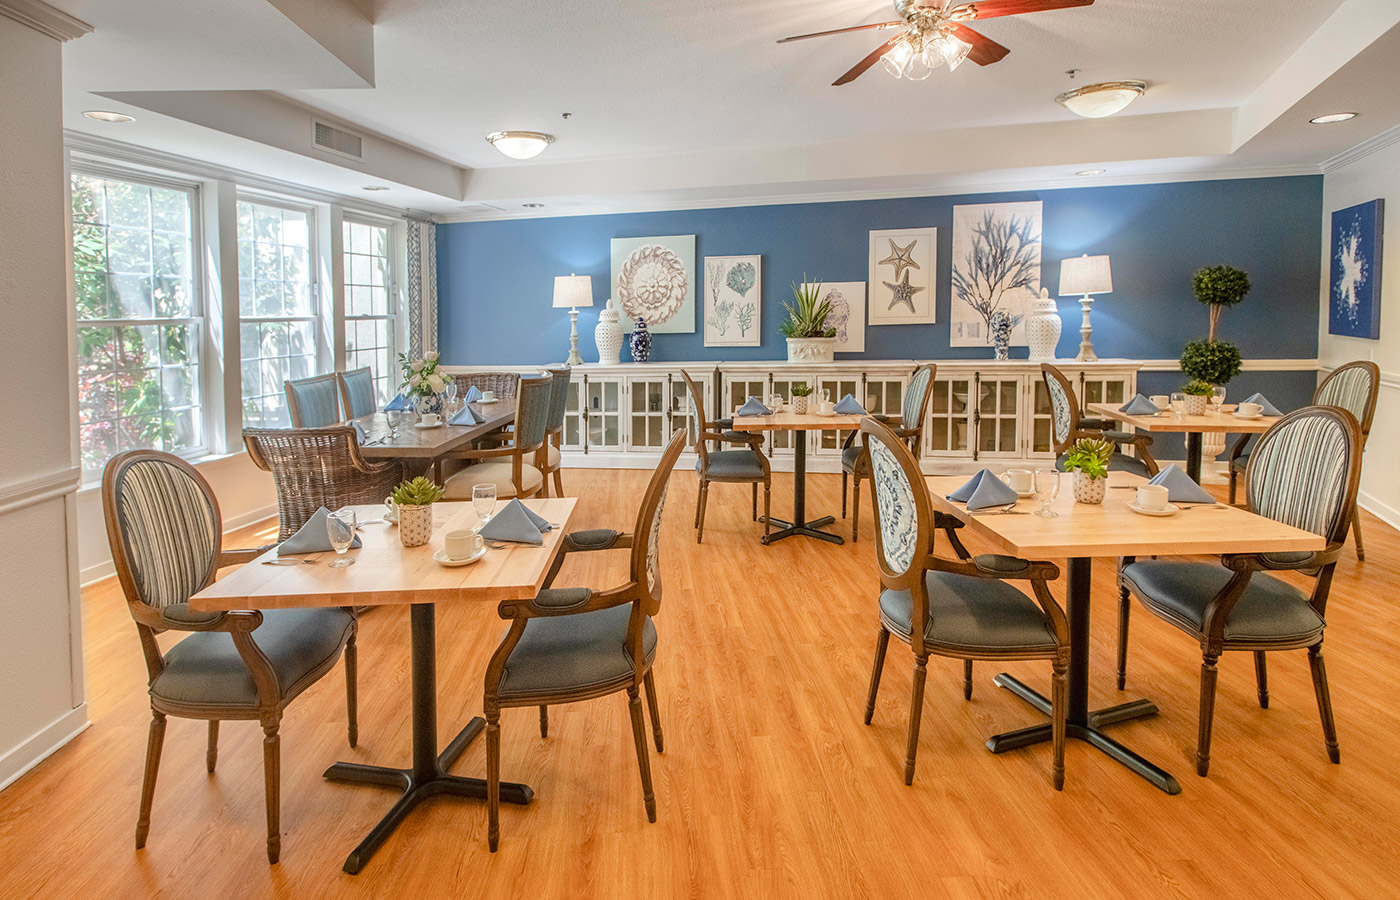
<point x="1111" y="529"/>
<point x="790" y="421"/>
<point x="386" y="572"/>
<point x="1223" y="422"/>
<point x="429" y="443"/>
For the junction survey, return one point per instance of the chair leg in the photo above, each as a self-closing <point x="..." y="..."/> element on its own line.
<point x="544" y="721"/>
<point x="493" y="777"/>
<point x="882" y="641"/>
<point x="855" y="508"/>
<point x="1356" y="530"/>
<point x="1058" y="704"/>
<point x="1261" y="678"/>
<point x="352" y="689"/>
<point x="755" y="501"/>
<point x="559" y="481"/>
<point x="154" y="742"/>
<point x="211" y="756"/>
<point x="916" y="714"/>
<point x="767" y="507"/>
<point x="272" y="778"/>
<point x="654" y="710"/>
<point x="1234" y="482"/>
<point x="1208" y="676"/>
<point x="967" y="679"/>
<point x="1125" y="608"/>
<point x="957" y="543"/>
<point x="700" y="511"/>
<point x="634" y="707"/>
<point x="843" y="493"/>
<point x="1324" y="703"/>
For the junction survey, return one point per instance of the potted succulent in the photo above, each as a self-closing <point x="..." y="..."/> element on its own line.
<point x="1197" y="393"/>
<point x="1088" y="460"/>
<point x="800" y="392"/>
<point x="808" y="337"/>
<point x="414" y="501"/>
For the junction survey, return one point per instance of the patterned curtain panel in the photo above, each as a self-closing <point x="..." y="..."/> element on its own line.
<point x="422" y="287"/>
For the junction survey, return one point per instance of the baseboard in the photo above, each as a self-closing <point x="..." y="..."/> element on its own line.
<point x="105" y="569"/>
<point x="42" y="745"/>
<point x="1380" y="509"/>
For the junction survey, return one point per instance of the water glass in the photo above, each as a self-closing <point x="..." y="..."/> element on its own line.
<point x="451" y="390"/>
<point x="340" y="528"/>
<point x="484" y="501"/>
<point x="1179" y="403"/>
<point x="1217" y="397"/>
<point x="393" y="417"/>
<point x="1047" y="488"/>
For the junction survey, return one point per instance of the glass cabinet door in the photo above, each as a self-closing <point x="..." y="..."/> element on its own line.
<point x="948" y="430"/>
<point x="998" y="416"/>
<point x="1103" y="389"/>
<point x="838" y="386"/>
<point x="783" y="441"/>
<point x="1042" y="420"/>
<point x="649" y="412"/>
<point x="605" y="414"/>
<point x="573" y="417"/>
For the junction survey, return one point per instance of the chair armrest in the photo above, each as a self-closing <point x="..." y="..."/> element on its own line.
<point x="1092" y="423"/>
<point x="566" y="602"/>
<point x="179" y="617"/>
<point x="1285" y="561"/>
<point x="1238" y="449"/>
<point x="1124" y="437"/>
<point x="595" y="539"/>
<point x="242" y="556"/>
<point x="994" y="565"/>
<point x="482" y="452"/>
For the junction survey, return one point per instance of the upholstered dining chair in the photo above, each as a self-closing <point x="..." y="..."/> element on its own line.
<point x="1355" y="387"/>
<point x="357" y="392"/>
<point x="166" y="534"/>
<point x="516" y="466"/>
<point x="1068" y="426"/>
<point x="965" y="609"/>
<point x="746" y="465"/>
<point x="554" y="431"/>
<point x="316" y="467"/>
<point x="1304" y="472"/>
<point x="505" y="384"/>
<point x="572" y="644"/>
<point x="314" y="402"/>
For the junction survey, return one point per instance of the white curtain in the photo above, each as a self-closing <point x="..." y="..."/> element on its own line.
<point x="422" y="287"/>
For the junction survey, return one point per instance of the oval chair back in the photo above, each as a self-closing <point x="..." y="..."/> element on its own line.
<point x="646" y="545"/>
<point x="313" y="402"/>
<point x="903" y="514"/>
<point x="915" y="407"/>
<point x="702" y="424"/>
<point x="357" y="392"/>
<point x="1305" y="471"/>
<point x="1063" y="412"/>
<point x="1354" y="387"/>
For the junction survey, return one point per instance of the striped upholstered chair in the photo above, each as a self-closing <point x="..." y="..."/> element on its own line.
<point x="1304" y="472"/>
<point x="357" y="392"/>
<point x="165" y="531"/>
<point x="1354" y="387"/>
<point x="516" y="468"/>
<point x="1068" y="426"/>
<point x="314" y="402"/>
<point x="554" y="432"/>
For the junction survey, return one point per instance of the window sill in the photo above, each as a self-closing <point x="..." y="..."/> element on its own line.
<point x="89" y="487"/>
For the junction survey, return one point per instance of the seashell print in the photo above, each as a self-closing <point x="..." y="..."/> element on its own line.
<point x="651" y="284"/>
<point x="840" y="315"/>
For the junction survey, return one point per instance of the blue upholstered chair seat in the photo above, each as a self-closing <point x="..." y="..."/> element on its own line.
<point x="205" y="668"/>
<point x="1240" y="462"/>
<point x="1119" y="462"/>
<point x="974" y="613"/>
<point x="1270" y="610"/>
<point x="849" y="457"/>
<point x="735" y="464"/>
<point x="561" y="653"/>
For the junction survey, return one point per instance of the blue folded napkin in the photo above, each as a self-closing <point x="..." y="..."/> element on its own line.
<point x="983" y="491"/>
<point x="464" y="416"/>
<point x="518" y="523"/>
<point x="1180" y="487"/>
<point x="1139" y="406"/>
<point x="400" y="403"/>
<point x="472" y="396"/>
<point x="311" y="537"/>
<point x="754" y="407"/>
<point x="361" y="432"/>
<point x="849" y="406"/>
<point x="1265" y="406"/>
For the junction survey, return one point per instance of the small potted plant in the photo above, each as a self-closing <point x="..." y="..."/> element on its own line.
<point x="414" y="501"/>
<point x="1088" y="460"/>
<point x="422" y="383"/>
<point x="808" y="337"/>
<point x="1197" y="393"/>
<point x="800" y="392"/>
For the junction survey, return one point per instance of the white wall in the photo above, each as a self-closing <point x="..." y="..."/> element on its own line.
<point x="1374" y="175"/>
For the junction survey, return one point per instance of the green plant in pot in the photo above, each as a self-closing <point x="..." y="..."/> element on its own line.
<point x="800" y="392"/>
<point x="1211" y="361"/>
<point x="1088" y="459"/>
<point x="809" y="339"/>
<point x="413" y="501"/>
<point x="1197" y="393"/>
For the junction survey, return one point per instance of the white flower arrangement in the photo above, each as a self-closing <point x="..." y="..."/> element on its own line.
<point x="421" y="378"/>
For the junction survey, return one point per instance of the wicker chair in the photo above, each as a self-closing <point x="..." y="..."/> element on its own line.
<point x="357" y="392"/>
<point x="554" y="432"/>
<point x="1068" y="426"/>
<point x="316" y="467"/>
<point x="314" y="402"/>
<point x="166" y="533"/>
<point x="505" y="384"/>
<point x="515" y="467"/>
<point x="747" y="465"/>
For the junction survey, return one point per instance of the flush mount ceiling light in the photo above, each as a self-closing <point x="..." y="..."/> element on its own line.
<point x="1332" y="118"/>
<point x="104" y="115"/>
<point x="1094" y="101"/>
<point x="520" y="144"/>
<point x="1087" y="172"/>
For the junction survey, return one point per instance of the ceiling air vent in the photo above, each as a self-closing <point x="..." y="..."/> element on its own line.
<point x="336" y="140"/>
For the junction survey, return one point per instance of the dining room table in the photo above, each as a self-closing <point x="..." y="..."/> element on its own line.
<point x="422" y="447"/>
<point x="1194" y="427"/>
<point x="786" y="420"/>
<point x="386" y="573"/>
<point x="1078" y="533"/>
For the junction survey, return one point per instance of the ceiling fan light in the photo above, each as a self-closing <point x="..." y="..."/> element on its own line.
<point x="898" y="57"/>
<point x="520" y="144"/>
<point x="954" y="51"/>
<point x="1096" y="101"/>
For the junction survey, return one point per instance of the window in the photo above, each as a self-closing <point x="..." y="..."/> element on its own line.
<point x="370" y="323"/>
<point x="276" y="308"/>
<point x="139" y="323"/>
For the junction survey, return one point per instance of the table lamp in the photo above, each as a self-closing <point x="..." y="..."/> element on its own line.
<point x="573" y="291"/>
<point x="1085" y="275"/>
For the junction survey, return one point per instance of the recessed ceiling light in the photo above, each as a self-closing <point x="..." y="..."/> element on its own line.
<point x="1087" y="172"/>
<point x="520" y="144"/>
<point x="103" y="115"/>
<point x="533" y="205"/>
<point x="1094" y="101"/>
<point x="1334" y="117"/>
<point x="374" y="187"/>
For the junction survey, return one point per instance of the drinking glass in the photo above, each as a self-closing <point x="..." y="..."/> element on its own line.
<point x="1217" y="397"/>
<point x="484" y="501"/>
<point x="393" y="417"/>
<point x="1179" y="403"/>
<point x="451" y="390"/>
<point x="340" y="528"/>
<point x="1047" y="488"/>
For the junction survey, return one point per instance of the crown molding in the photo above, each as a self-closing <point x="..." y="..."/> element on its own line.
<point x="45" y="19"/>
<point x="1361" y="150"/>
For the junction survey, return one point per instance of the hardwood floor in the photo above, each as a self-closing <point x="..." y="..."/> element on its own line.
<point x="770" y="786"/>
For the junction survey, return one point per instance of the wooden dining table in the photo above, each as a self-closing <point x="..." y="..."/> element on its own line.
<point x="791" y="421"/>
<point x="1082" y="531"/>
<point x="387" y="573"/>
<point x="421" y="448"/>
<point x="1223" y="422"/>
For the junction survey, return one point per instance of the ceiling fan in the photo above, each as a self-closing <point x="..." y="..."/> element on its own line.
<point x="934" y="33"/>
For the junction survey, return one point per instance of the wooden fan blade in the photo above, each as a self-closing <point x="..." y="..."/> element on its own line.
<point x="991" y="9"/>
<point x="803" y="37"/>
<point x="860" y="68"/>
<point x="985" y="51"/>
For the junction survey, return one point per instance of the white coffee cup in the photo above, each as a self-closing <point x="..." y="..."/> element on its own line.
<point x="430" y="418"/>
<point x="1152" y="496"/>
<point x="462" y="543"/>
<point x="1161" y="401"/>
<point x="393" y="508"/>
<point x="827" y="408"/>
<point x="1249" y="409"/>
<point x="488" y="396"/>
<point x="1022" y="481"/>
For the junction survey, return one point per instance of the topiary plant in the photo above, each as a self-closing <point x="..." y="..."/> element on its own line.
<point x="1219" y="287"/>
<point x="1214" y="362"/>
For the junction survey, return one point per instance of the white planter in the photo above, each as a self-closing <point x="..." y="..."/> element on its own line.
<point x="1196" y="404"/>
<point x="799" y="405"/>
<point x="415" y="525"/>
<point x="809" y="350"/>
<point x="1087" y="489"/>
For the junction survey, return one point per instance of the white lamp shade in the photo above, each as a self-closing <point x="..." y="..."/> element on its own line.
<point x="1085" y="275"/>
<point x="572" y="291"/>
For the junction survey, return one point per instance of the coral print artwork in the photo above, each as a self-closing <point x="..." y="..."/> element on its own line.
<point x="733" y="304"/>
<point x="654" y="279"/>
<point x="996" y="268"/>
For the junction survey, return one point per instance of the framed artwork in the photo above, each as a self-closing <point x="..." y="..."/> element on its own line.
<point x="996" y="266"/>
<point x="847" y="314"/>
<point x="733" y="305"/>
<point x="1354" y="307"/>
<point x="902" y="262"/>
<point x="653" y="278"/>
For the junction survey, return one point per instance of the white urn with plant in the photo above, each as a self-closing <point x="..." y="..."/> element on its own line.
<point x="809" y="339"/>
<point x="1088" y="460"/>
<point x="414" y="501"/>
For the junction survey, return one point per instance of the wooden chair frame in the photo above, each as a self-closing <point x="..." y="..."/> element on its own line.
<point x="704" y="434"/>
<point x="294" y="410"/>
<point x="511" y="446"/>
<point x="554" y="432"/>
<point x="1141" y="443"/>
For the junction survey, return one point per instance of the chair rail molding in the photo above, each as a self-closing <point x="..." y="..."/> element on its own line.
<point x="45" y="19"/>
<point x="28" y="492"/>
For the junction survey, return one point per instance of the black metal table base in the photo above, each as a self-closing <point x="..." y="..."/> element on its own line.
<point x="1193" y="455"/>
<point x="800" y="525"/>
<point x="807" y="529"/>
<point x="428" y="776"/>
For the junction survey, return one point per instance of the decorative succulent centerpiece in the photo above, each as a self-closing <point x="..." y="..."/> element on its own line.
<point x="422" y="384"/>
<point x="800" y="392"/>
<point x="1088" y="460"/>
<point x="414" y="501"/>
<point x="1211" y="361"/>
<point x="809" y="339"/>
<point x="1197" y="393"/>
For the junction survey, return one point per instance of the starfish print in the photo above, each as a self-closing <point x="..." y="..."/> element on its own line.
<point x="903" y="292"/>
<point x="900" y="257"/>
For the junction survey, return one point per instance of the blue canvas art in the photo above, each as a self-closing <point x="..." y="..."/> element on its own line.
<point x="1354" y="308"/>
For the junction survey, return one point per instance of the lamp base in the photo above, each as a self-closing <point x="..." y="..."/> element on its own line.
<point x="1086" y="345"/>
<point x="574" y="358"/>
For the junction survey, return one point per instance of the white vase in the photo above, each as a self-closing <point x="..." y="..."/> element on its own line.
<point x="818" y="349"/>
<point x="1088" y="489"/>
<point x="608" y="335"/>
<point x="1043" y="326"/>
<point x="1196" y="404"/>
<point x="415" y="525"/>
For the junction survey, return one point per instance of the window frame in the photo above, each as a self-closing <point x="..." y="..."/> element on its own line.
<point x="393" y="290"/>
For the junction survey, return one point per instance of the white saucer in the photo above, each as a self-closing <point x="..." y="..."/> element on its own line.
<point x="442" y="559"/>
<point x="437" y="424"/>
<point x="827" y="414"/>
<point x="487" y="402"/>
<point x="392" y="518"/>
<point x="1239" y="415"/>
<point x="1168" y="510"/>
<point x="1025" y="496"/>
